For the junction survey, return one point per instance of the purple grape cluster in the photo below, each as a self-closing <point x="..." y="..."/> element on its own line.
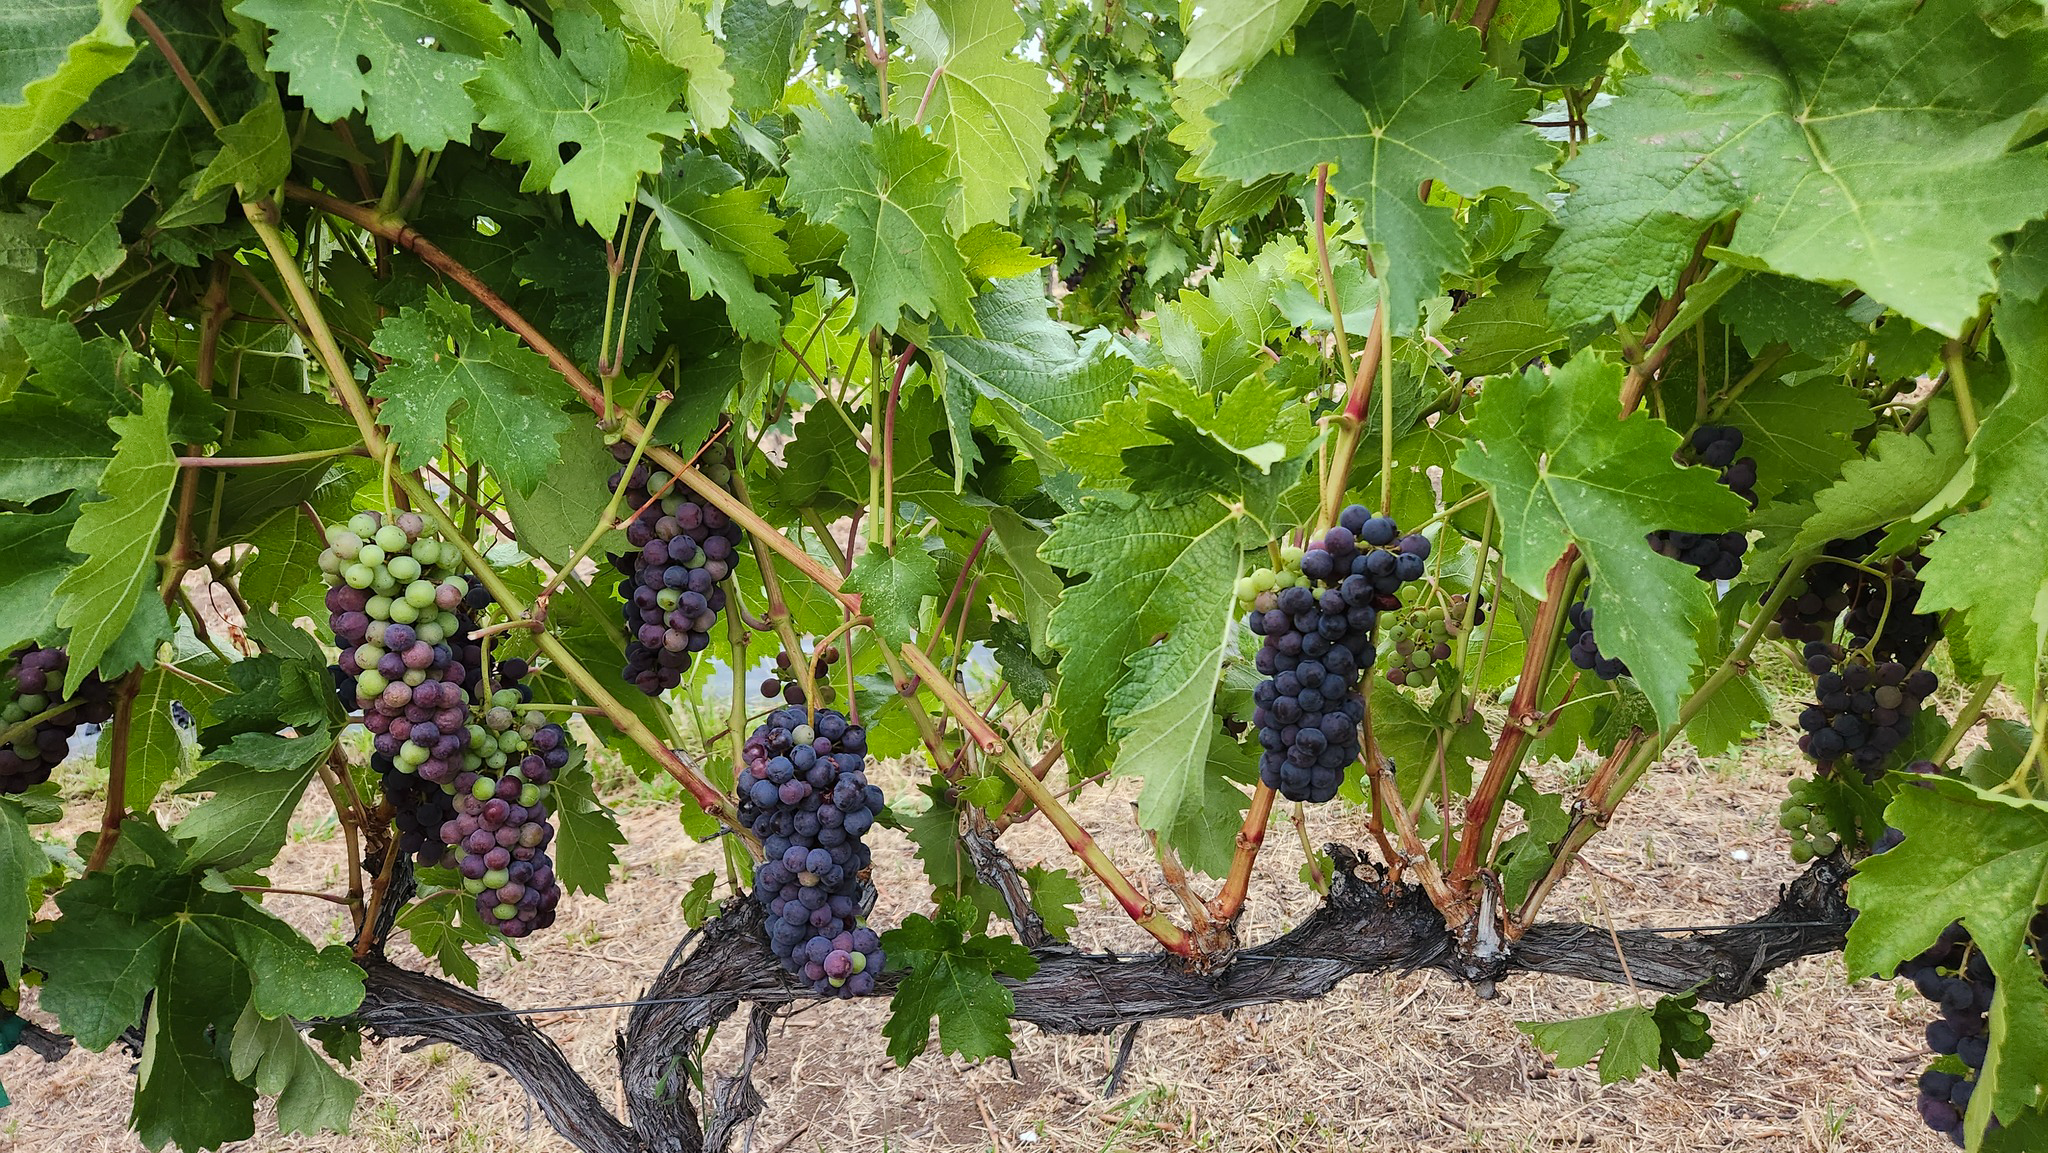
<point x="397" y="611"/>
<point x="1716" y="556"/>
<point x="671" y="584"/>
<point x="1318" y="647"/>
<point x="805" y="793"/>
<point x="1892" y="627"/>
<point x="1584" y="649"/>
<point x="499" y="831"/>
<point x="1953" y="974"/>
<point x="34" y="686"/>
<point x="1861" y="711"/>
<point x="1827" y="589"/>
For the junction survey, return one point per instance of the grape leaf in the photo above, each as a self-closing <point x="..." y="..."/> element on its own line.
<point x="53" y="53"/>
<point x="1854" y="150"/>
<point x="1505" y="329"/>
<point x="34" y="559"/>
<point x="499" y="395"/>
<point x="438" y="928"/>
<point x="420" y="55"/>
<point x="1039" y="380"/>
<point x="1054" y="894"/>
<point x="21" y="861"/>
<point x="44" y="449"/>
<point x="681" y="34"/>
<point x="1809" y="317"/>
<point x="763" y="42"/>
<point x="1563" y="470"/>
<point x="1227" y="35"/>
<point x="585" y="850"/>
<point x="1798" y="433"/>
<point x="1992" y="563"/>
<point x="952" y="976"/>
<point x="1731" y="716"/>
<point x="556" y="517"/>
<point x="202" y="958"/>
<point x="255" y="155"/>
<point x="256" y="781"/>
<point x="1900" y="473"/>
<point x="1625" y="1043"/>
<point x="158" y="750"/>
<point x="889" y="191"/>
<point x="723" y="236"/>
<point x="1143" y="637"/>
<point x="893" y="587"/>
<point x="1981" y="858"/>
<point x="270" y="1055"/>
<point x="604" y="100"/>
<point x="1417" y="104"/>
<point x="118" y="535"/>
<point x="988" y="108"/>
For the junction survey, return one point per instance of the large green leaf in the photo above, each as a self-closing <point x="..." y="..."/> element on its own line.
<point x="890" y="191"/>
<point x="118" y="535"/>
<point x="681" y="33"/>
<point x="53" y="53"/>
<point x="951" y="976"/>
<point x="256" y="782"/>
<point x="987" y="107"/>
<point x="1854" y="147"/>
<point x="499" y="395"/>
<point x="203" y="959"/>
<point x="21" y="860"/>
<point x="723" y="236"/>
<point x="1563" y="470"/>
<point x="1391" y="112"/>
<point x="604" y="101"/>
<point x="1991" y="563"/>
<point x="420" y="53"/>
<point x="1226" y="35"/>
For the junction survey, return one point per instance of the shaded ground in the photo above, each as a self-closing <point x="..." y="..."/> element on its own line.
<point x="1391" y="1064"/>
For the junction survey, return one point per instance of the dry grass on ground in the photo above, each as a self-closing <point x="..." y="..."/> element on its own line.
<point x="1390" y="1063"/>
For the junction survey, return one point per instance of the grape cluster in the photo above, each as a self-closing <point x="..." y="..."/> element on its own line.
<point x="1584" y="649"/>
<point x="34" y="686"/>
<point x="1892" y="628"/>
<point x="1318" y="647"/>
<point x="1954" y="975"/>
<point x="1827" y="588"/>
<point x="1862" y="711"/>
<point x="1716" y="556"/>
<point x="397" y="610"/>
<point x="499" y="830"/>
<point x="786" y="687"/>
<point x="805" y="793"/>
<point x="1802" y="813"/>
<point x="671" y="584"/>
<point x="1422" y="638"/>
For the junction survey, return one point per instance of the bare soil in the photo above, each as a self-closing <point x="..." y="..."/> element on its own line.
<point x="1392" y="1063"/>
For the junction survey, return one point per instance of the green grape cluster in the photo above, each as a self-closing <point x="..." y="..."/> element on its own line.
<point x="1421" y="638"/>
<point x="1803" y="815"/>
<point x="1264" y="580"/>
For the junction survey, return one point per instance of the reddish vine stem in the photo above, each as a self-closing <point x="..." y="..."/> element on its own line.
<point x="1646" y="369"/>
<point x="1590" y="814"/>
<point x="888" y="432"/>
<point x="214" y="317"/>
<point x="1523" y="716"/>
<point x="960" y="581"/>
<point x="116" y="808"/>
<point x="1351" y="422"/>
<point x="1251" y="837"/>
<point x="1039" y="768"/>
